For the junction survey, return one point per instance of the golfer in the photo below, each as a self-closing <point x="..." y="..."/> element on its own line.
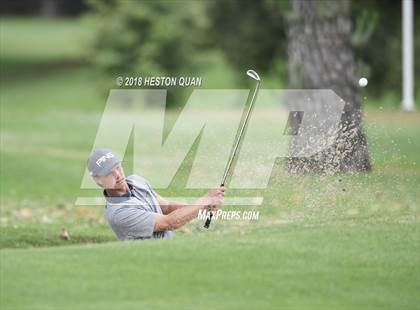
<point x="134" y="210"/>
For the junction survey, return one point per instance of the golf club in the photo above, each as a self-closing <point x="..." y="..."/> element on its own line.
<point x="254" y="75"/>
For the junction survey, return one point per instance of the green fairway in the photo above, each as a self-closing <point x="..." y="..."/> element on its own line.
<point x="346" y="264"/>
<point x="322" y="241"/>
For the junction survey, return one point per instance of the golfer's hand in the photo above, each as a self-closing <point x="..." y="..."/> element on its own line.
<point x="213" y="200"/>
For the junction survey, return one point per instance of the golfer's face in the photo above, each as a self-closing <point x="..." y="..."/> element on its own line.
<point x="114" y="179"/>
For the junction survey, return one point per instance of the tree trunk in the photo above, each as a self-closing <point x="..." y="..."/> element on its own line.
<point x="49" y="8"/>
<point x="321" y="57"/>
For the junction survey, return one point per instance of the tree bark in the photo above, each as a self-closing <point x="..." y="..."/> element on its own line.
<point x="321" y="57"/>
<point x="49" y="8"/>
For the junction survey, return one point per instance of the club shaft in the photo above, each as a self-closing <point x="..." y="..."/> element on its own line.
<point x="238" y="140"/>
<point x="235" y="148"/>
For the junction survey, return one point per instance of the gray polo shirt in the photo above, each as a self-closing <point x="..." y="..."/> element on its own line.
<point x="132" y="216"/>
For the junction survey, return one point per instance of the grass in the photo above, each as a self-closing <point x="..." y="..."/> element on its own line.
<point x="295" y="266"/>
<point x="31" y="47"/>
<point x="322" y="241"/>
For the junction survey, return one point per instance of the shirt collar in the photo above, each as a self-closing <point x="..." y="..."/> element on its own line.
<point x="118" y="199"/>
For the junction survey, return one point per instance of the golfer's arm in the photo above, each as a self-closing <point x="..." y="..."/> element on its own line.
<point x="169" y="206"/>
<point x="176" y="218"/>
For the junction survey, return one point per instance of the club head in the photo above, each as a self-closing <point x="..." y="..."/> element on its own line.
<point x="253" y="74"/>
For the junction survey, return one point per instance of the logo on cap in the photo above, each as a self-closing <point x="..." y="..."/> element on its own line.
<point x="103" y="158"/>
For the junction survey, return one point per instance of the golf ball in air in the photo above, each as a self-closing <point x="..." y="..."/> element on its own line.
<point x="363" y="82"/>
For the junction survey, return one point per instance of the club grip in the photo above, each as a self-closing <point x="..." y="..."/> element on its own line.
<point x="208" y="220"/>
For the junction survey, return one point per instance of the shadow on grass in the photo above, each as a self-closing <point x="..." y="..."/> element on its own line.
<point x="36" y="235"/>
<point x="18" y="70"/>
